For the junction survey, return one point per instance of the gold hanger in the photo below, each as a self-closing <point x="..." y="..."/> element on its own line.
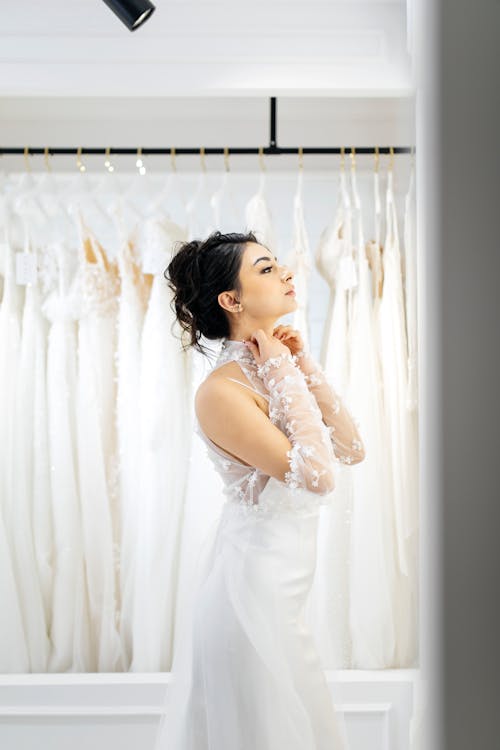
<point x="46" y="158"/>
<point x="26" y="155"/>
<point x="391" y="161"/>
<point x="301" y="157"/>
<point x="107" y="162"/>
<point x="226" y="158"/>
<point x="139" y="162"/>
<point x="377" y="159"/>
<point x="342" y="159"/>
<point x="202" y="158"/>
<point x="353" y="158"/>
<point x="79" y="163"/>
<point x="172" y="159"/>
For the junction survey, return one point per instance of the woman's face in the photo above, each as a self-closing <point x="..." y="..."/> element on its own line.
<point x="264" y="284"/>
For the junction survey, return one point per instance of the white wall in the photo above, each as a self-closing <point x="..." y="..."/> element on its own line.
<point x="195" y="47"/>
<point x="54" y="712"/>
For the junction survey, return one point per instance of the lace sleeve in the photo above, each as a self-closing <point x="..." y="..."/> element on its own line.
<point x="346" y="440"/>
<point x="311" y="457"/>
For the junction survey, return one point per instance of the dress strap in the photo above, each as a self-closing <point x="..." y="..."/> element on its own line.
<point x="247" y="386"/>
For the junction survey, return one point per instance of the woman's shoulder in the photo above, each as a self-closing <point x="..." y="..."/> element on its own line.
<point x="219" y="378"/>
<point x="219" y="387"/>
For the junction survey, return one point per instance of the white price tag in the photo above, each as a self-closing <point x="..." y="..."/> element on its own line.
<point x="348" y="272"/>
<point x="25" y="268"/>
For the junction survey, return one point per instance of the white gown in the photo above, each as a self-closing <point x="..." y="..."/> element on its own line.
<point x="69" y="627"/>
<point x="248" y="674"/>
<point x="162" y="463"/>
<point x="226" y="214"/>
<point x="401" y="446"/>
<point x="300" y="262"/>
<point x="258" y="217"/>
<point x="330" y="594"/>
<point x="410" y="255"/>
<point x="132" y="307"/>
<point x="95" y="399"/>
<point x="372" y="565"/>
<point x="24" y="531"/>
<point x="14" y="654"/>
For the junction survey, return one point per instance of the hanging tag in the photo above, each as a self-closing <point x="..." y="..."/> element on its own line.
<point x="25" y="268"/>
<point x="348" y="272"/>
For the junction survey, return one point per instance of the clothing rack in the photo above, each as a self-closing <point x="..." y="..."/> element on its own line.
<point x="271" y="150"/>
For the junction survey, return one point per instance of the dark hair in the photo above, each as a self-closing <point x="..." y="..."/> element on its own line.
<point x="197" y="273"/>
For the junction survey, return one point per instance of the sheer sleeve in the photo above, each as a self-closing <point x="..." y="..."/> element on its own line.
<point x="311" y="457"/>
<point x="346" y="440"/>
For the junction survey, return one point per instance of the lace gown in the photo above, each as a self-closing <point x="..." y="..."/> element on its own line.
<point x="247" y="674"/>
<point x="95" y="398"/>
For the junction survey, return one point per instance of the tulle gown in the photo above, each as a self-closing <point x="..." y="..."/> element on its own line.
<point x="247" y="674"/>
<point x="134" y="293"/>
<point x="14" y="653"/>
<point x="300" y="262"/>
<point x="401" y="443"/>
<point x="329" y="602"/>
<point x="372" y="565"/>
<point x="69" y="627"/>
<point x="24" y="531"/>
<point x="161" y="464"/>
<point x="258" y="217"/>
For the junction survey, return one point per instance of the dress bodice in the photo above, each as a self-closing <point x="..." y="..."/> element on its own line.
<point x="294" y="409"/>
<point x="242" y="483"/>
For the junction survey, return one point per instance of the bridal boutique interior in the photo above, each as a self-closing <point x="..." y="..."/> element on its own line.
<point x="301" y="123"/>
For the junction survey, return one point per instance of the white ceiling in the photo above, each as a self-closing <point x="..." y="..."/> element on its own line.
<point x="77" y="48"/>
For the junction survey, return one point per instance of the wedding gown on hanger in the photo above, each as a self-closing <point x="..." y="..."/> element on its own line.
<point x="131" y="311"/>
<point x="248" y="674"/>
<point x="95" y="397"/>
<point x="23" y="530"/>
<point x="14" y="653"/>
<point x="69" y="628"/>
<point x="162" y="463"/>
<point x="401" y="446"/>
<point x="226" y="216"/>
<point x="410" y="285"/>
<point x="258" y="217"/>
<point x="372" y="565"/>
<point x="299" y="261"/>
<point x="329" y="602"/>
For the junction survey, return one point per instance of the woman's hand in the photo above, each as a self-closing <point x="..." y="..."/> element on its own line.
<point x="263" y="346"/>
<point x="290" y="337"/>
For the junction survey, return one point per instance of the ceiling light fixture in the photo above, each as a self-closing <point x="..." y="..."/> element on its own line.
<point x="132" y="13"/>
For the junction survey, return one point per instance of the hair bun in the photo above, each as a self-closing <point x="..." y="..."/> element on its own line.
<point x="197" y="273"/>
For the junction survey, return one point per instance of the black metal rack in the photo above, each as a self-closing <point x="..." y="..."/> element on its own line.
<point x="271" y="150"/>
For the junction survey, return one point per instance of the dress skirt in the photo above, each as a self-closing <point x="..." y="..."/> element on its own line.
<point x="250" y="677"/>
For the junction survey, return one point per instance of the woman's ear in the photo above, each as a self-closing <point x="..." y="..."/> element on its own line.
<point x="228" y="301"/>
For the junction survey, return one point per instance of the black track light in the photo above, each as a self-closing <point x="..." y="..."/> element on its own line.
<point x="133" y="13"/>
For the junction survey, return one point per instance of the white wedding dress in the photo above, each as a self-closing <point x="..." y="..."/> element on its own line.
<point x="247" y="673"/>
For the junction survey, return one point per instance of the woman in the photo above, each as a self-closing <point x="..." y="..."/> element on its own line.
<point x="275" y="430"/>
